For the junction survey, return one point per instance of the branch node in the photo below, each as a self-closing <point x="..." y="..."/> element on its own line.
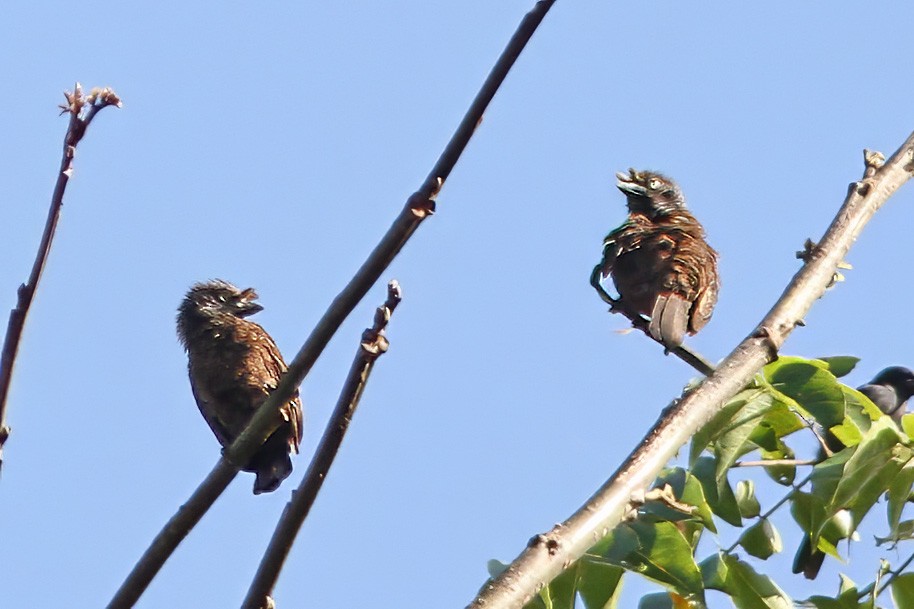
<point x="550" y="543"/>
<point x="770" y="341"/>
<point x="809" y="252"/>
<point x="421" y="205"/>
<point x="552" y="546"/>
<point x="862" y="188"/>
<point x="873" y="160"/>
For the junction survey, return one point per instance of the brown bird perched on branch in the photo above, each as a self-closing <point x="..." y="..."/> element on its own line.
<point x="659" y="260"/>
<point x="234" y="365"/>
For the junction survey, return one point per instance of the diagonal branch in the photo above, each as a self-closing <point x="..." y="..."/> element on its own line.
<point x="419" y="206"/>
<point x="82" y="110"/>
<point x="548" y="554"/>
<point x="373" y="345"/>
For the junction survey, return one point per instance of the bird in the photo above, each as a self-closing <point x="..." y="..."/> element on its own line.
<point x="233" y="366"/>
<point x="659" y="259"/>
<point x="890" y="391"/>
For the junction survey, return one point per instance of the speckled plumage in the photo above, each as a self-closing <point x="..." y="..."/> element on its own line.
<point x="233" y="366"/>
<point x="659" y="260"/>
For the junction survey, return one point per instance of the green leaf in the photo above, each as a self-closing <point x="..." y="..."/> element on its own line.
<point x="688" y="489"/>
<point x="733" y="441"/>
<point x="745" y="587"/>
<point x="560" y="593"/>
<point x="871" y="469"/>
<point x="899" y="491"/>
<point x="808" y="510"/>
<point x="761" y="539"/>
<point x="721" y="421"/>
<point x="719" y="497"/>
<point x="848" y="598"/>
<point x="902" y="531"/>
<point x="782" y="474"/>
<point x="599" y="583"/>
<point x="827" y="602"/>
<point x="907" y="424"/>
<point x="903" y="591"/>
<point x="840" y="365"/>
<point x="662" y="554"/>
<point x="828" y="474"/>
<point x="714" y="572"/>
<point x="746" y="500"/>
<point x="860" y="413"/>
<point x="751" y="590"/>
<point x="811" y="385"/>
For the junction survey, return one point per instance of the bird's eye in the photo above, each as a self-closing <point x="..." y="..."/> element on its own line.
<point x="654" y="184"/>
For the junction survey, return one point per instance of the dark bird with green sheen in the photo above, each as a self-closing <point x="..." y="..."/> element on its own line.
<point x="234" y="365"/>
<point x="890" y="391"/>
<point x="659" y="260"/>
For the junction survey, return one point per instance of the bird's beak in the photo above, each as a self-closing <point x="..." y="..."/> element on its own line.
<point x="248" y="308"/>
<point x="246" y="305"/>
<point x="627" y="185"/>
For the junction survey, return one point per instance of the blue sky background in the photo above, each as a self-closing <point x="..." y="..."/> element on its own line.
<point x="271" y="144"/>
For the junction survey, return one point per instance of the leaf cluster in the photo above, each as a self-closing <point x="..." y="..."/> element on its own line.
<point x="864" y="456"/>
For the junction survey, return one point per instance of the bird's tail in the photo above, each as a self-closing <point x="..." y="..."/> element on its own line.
<point x="271" y="474"/>
<point x="808" y="560"/>
<point x="670" y="319"/>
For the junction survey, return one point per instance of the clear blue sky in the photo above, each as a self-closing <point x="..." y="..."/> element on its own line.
<point x="271" y="144"/>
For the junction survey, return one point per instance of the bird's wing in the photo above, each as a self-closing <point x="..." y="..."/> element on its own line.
<point x="882" y="396"/>
<point x="271" y="362"/>
<point x="694" y="277"/>
<point x="208" y="408"/>
<point x="617" y="242"/>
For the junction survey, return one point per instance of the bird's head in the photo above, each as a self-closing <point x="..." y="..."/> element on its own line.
<point x="217" y="297"/>
<point x="899" y="378"/>
<point x="650" y="193"/>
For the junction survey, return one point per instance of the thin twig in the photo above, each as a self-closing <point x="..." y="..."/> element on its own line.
<point x="775" y="462"/>
<point x="888" y="580"/>
<point x="793" y="490"/>
<point x="373" y="345"/>
<point x="690" y="357"/>
<point x="82" y="110"/>
<point x="548" y="554"/>
<point x="419" y="206"/>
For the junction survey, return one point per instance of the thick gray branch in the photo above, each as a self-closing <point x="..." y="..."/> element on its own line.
<point x="548" y="554"/>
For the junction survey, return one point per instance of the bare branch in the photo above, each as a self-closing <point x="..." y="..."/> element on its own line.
<point x="82" y="110"/>
<point x="419" y="206"/>
<point x="548" y="554"/>
<point x="373" y="345"/>
<point x="775" y="462"/>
